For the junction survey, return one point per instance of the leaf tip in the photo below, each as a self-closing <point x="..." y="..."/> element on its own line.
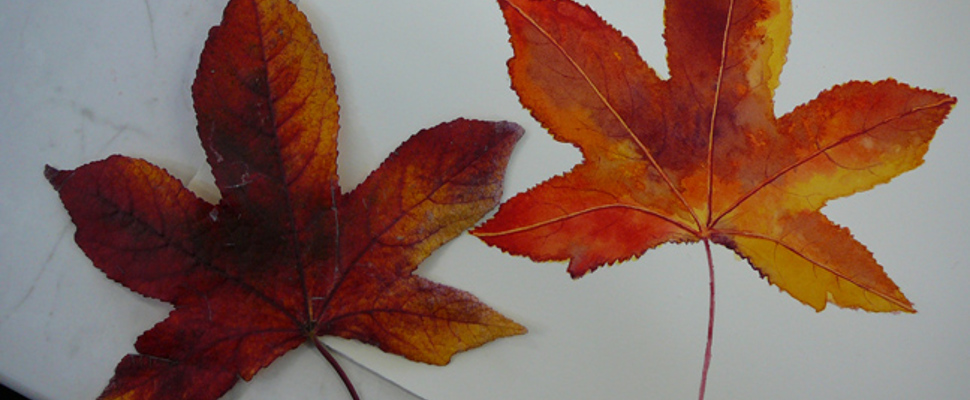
<point x="55" y="176"/>
<point x="511" y="129"/>
<point x="50" y="172"/>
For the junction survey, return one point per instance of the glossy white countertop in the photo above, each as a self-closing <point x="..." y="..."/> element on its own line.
<point x="81" y="80"/>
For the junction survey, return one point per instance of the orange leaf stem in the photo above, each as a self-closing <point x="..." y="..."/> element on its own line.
<point x="710" y="322"/>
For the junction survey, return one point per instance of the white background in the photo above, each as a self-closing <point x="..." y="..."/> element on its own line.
<point x="80" y="80"/>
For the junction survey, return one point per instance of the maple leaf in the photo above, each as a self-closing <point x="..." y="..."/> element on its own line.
<point x="701" y="156"/>
<point x="285" y="256"/>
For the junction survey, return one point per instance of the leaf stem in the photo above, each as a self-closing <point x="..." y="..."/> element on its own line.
<point x="336" y="366"/>
<point x="710" y="322"/>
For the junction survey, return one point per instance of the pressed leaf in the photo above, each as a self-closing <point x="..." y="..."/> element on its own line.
<point x="701" y="156"/>
<point x="285" y="256"/>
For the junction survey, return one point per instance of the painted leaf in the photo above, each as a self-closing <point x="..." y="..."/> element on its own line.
<point x="701" y="156"/>
<point x="285" y="256"/>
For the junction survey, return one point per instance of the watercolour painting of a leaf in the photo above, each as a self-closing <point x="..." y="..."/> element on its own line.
<point x="285" y="256"/>
<point x="701" y="156"/>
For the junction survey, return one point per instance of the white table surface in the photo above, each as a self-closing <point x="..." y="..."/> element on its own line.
<point x="80" y="80"/>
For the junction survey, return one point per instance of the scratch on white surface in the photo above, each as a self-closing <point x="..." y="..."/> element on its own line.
<point x="151" y="27"/>
<point x="55" y="305"/>
<point x="119" y="127"/>
<point x="42" y="269"/>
